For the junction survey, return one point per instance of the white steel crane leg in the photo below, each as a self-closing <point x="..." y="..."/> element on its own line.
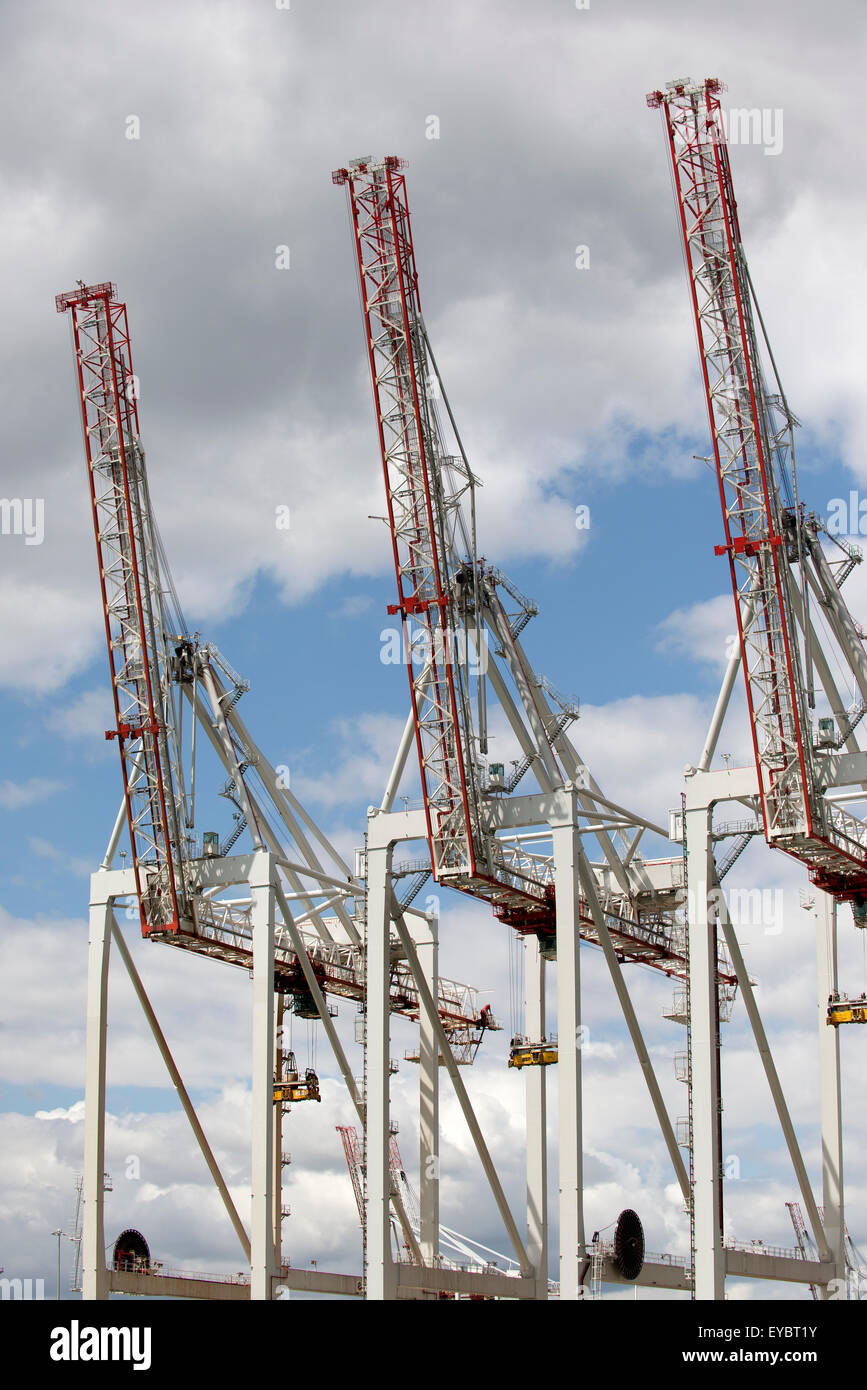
<point x="566" y="840"/>
<point x="537" y="1118"/>
<point x="429" y="1107"/>
<point x="708" y="1256"/>
<point x="94" y="1276"/>
<point x="381" y="1276"/>
<point x="340" y="1056"/>
<point x="829" y="1082"/>
<point x="277" y="1137"/>
<point x="262" y="1254"/>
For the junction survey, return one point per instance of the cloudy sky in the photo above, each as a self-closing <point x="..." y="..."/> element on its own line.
<point x="174" y="150"/>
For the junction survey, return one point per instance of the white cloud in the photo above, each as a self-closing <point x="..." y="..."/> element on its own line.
<point x="69" y="863"/>
<point x="703" y="632"/>
<point x="353" y="606"/>
<point x="88" y="716"/>
<point x="14" y="795"/>
<point x="50" y="633"/>
<point x="638" y="747"/>
<point x="362" y="754"/>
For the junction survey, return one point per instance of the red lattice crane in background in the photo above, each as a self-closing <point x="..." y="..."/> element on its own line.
<point x="131" y="597"/>
<point x="776" y="561"/>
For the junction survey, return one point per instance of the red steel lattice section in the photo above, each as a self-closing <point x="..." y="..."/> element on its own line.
<point x="749" y="456"/>
<point x="423" y="497"/>
<point x="131" y="597"/>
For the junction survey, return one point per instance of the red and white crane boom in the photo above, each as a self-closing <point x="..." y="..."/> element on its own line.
<point x="429" y="490"/>
<point x="766" y="530"/>
<point x="132" y="599"/>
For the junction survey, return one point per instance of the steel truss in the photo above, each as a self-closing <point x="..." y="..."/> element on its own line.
<point x="796" y="789"/>
<point x="298" y="927"/>
<point x="526" y="855"/>
<point x="132" y="598"/>
<point x="752" y="431"/>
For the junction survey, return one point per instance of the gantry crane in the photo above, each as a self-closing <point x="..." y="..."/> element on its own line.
<point x="467" y="615"/>
<point x="792" y="623"/>
<point x="778" y="567"/>
<point x="523" y="854"/>
<point x="152" y="657"/>
<point x="299" y="886"/>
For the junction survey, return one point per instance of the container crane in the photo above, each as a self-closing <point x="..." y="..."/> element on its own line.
<point x="467" y="615"/>
<point x="452" y="1243"/>
<point x="523" y="855"/>
<point x="153" y="660"/>
<point x="312" y="905"/>
<point x="777" y="564"/>
<point x="802" y="1237"/>
<point x="808" y="772"/>
<point x="430" y="494"/>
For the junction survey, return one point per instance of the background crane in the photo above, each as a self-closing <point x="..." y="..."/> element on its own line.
<point x="792" y="624"/>
<point x="778" y="567"/>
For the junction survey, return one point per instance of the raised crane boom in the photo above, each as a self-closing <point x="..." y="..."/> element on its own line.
<point x="132" y="598"/>
<point x="751" y="430"/>
<point x="439" y="577"/>
<point x="422" y="502"/>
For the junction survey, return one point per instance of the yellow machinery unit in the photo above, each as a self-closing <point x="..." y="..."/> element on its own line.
<point x="289" y="1089"/>
<point x="526" y="1054"/>
<point x="845" y="1010"/>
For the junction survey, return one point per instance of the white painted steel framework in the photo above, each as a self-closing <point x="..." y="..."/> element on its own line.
<point x="298" y="927"/>
<point x="310" y="925"/>
<point x="792" y="623"/>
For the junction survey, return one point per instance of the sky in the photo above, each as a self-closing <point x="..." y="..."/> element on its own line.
<point x="185" y="153"/>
